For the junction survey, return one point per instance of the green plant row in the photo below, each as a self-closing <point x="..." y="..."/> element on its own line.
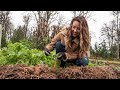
<point x="23" y="53"/>
<point x="20" y="53"/>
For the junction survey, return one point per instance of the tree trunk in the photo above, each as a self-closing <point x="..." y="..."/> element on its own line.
<point x="0" y="34"/>
<point x="118" y="39"/>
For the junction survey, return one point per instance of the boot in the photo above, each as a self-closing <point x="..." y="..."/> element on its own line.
<point x="62" y="64"/>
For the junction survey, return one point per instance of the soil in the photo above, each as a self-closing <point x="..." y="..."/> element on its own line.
<point x="44" y="72"/>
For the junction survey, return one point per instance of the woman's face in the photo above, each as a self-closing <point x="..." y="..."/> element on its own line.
<point x="76" y="27"/>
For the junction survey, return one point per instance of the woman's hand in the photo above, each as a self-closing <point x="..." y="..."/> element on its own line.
<point x="47" y="52"/>
<point x="61" y="56"/>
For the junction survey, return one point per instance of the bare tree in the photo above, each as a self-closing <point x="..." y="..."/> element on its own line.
<point x="4" y="20"/>
<point x="112" y="34"/>
<point x="10" y="30"/>
<point x="109" y="35"/>
<point x="44" y="19"/>
<point x="86" y="14"/>
<point x="61" y="21"/>
<point x="26" y="20"/>
<point x="60" y="24"/>
<point x="116" y="14"/>
<point x="106" y="33"/>
<point x="0" y="34"/>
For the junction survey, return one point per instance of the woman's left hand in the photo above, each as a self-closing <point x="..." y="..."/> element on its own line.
<point x="61" y="56"/>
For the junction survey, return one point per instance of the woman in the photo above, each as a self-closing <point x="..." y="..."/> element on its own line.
<point x="72" y="43"/>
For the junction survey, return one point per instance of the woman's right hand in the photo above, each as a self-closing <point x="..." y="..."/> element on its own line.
<point x="47" y="52"/>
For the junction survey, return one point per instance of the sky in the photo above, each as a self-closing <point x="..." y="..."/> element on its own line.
<point x="100" y="18"/>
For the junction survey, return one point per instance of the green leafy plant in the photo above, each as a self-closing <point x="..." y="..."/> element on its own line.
<point x="90" y="63"/>
<point x="21" y="53"/>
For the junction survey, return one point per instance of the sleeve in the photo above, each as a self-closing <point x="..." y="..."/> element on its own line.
<point x="51" y="45"/>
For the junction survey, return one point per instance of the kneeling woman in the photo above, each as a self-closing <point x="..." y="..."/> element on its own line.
<point x="72" y="43"/>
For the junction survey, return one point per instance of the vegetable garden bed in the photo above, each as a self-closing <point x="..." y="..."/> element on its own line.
<point x="20" y="71"/>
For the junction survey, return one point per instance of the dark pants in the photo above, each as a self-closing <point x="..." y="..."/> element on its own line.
<point x="60" y="48"/>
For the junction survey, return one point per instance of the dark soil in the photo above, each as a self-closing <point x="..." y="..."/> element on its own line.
<point x="44" y="72"/>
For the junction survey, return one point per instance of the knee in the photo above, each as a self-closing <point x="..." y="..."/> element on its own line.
<point x="58" y="44"/>
<point x="85" y="61"/>
<point x="82" y="62"/>
<point x="59" y="47"/>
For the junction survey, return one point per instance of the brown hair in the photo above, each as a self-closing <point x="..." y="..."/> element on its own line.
<point x="83" y="37"/>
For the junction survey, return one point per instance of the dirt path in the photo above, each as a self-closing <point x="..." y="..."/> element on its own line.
<point x="106" y="61"/>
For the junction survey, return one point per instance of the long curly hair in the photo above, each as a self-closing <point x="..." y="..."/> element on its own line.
<point x="83" y="36"/>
